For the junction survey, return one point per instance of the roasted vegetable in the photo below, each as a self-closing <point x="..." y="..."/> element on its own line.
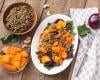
<point x="60" y="24"/>
<point x="57" y="60"/>
<point x="42" y="49"/>
<point x="45" y="59"/>
<point x="56" y="49"/>
<point x="63" y="54"/>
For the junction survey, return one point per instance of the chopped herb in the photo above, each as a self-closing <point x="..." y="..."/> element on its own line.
<point x="49" y="24"/>
<point x="10" y="39"/>
<point x="40" y="61"/>
<point x="70" y="24"/>
<point x="83" y="30"/>
<point x="48" y="66"/>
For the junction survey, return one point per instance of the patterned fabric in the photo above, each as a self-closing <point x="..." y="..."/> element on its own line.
<point x="87" y="64"/>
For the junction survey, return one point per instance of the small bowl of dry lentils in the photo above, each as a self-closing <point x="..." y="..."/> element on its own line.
<point x="20" y="18"/>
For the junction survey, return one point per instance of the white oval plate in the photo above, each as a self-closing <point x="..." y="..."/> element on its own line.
<point x="35" y="44"/>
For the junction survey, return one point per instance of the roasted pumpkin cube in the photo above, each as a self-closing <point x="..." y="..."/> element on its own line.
<point x="67" y="34"/>
<point x="57" y="59"/>
<point x="52" y="29"/>
<point x="42" y="49"/>
<point x="46" y="32"/>
<point x="60" y="24"/>
<point x="63" y="49"/>
<point x="63" y="55"/>
<point x="56" y="49"/>
<point x="68" y="40"/>
<point x="45" y="59"/>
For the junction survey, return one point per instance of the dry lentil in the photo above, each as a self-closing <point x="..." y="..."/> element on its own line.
<point x="19" y="19"/>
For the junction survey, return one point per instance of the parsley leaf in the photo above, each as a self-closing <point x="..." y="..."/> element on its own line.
<point x="70" y="24"/>
<point x="10" y="39"/>
<point x="83" y="30"/>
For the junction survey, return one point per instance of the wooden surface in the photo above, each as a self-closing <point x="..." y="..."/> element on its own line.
<point x="56" y="6"/>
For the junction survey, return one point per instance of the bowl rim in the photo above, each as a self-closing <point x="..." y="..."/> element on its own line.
<point x="20" y="3"/>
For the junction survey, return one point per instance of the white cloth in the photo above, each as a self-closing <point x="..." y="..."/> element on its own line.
<point x="88" y="46"/>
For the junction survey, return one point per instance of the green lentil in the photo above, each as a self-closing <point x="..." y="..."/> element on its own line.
<point x="19" y="19"/>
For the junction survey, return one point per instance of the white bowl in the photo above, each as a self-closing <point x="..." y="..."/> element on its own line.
<point x="35" y="44"/>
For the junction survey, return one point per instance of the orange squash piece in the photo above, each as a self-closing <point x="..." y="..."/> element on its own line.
<point x="42" y="49"/>
<point x="23" y="62"/>
<point x="68" y="40"/>
<point x="63" y="49"/>
<point x="46" y="32"/>
<point x="17" y="57"/>
<point x="14" y="58"/>
<point x="11" y="50"/>
<point x="67" y="34"/>
<point x="16" y="49"/>
<point x="56" y="49"/>
<point x="60" y="24"/>
<point x="9" y="67"/>
<point x="16" y="63"/>
<point x="57" y="59"/>
<point x="6" y="59"/>
<point x="24" y="54"/>
<point x="63" y="55"/>
<point x="1" y="59"/>
<point x="45" y="59"/>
